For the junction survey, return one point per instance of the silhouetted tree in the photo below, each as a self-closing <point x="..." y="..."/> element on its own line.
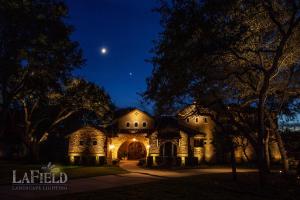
<point x="36" y="53"/>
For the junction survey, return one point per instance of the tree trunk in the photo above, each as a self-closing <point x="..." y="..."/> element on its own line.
<point x="267" y="152"/>
<point x="34" y="151"/>
<point x="261" y="129"/>
<point x="284" y="157"/>
<point x="4" y="109"/>
<point x="233" y="163"/>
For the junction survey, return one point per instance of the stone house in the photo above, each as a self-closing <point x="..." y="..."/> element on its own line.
<point x="134" y="134"/>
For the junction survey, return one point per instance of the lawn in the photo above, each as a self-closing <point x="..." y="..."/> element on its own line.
<point x="206" y="186"/>
<point x="73" y="172"/>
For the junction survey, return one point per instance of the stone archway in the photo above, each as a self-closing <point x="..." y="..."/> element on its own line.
<point x="120" y="144"/>
<point x="132" y="150"/>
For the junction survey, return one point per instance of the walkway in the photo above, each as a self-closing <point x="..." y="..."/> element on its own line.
<point x="132" y="167"/>
<point x="136" y="175"/>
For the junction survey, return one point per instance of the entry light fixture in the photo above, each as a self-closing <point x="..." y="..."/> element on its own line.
<point x="134" y="140"/>
<point x="111" y="147"/>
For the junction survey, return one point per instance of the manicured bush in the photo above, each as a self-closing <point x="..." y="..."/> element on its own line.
<point x="115" y="162"/>
<point x="149" y="161"/>
<point x="142" y="162"/>
<point x="102" y="160"/>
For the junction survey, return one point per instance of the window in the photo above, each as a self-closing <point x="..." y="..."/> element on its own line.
<point x="144" y="124"/>
<point x="187" y="120"/>
<point x="127" y="124"/>
<point x="94" y="142"/>
<point x="205" y="119"/>
<point x="196" y="119"/>
<point x="136" y="124"/>
<point x="198" y="142"/>
<point x="81" y="142"/>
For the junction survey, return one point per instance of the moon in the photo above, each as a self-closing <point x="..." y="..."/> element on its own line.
<point x="103" y="50"/>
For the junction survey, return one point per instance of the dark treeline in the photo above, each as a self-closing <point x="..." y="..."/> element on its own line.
<point x="39" y="97"/>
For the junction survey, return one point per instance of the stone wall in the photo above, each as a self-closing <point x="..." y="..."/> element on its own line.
<point x="135" y="116"/>
<point x="183" y="148"/>
<point x="87" y="141"/>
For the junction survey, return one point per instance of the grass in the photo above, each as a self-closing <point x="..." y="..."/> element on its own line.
<point x="73" y="172"/>
<point x="206" y="186"/>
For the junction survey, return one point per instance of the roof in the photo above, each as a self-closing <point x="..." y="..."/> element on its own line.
<point x="169" y="127"/>
<point x="85" y="128"/>
<point x="124" y="111"/>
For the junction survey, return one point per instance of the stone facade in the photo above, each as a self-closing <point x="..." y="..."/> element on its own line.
<point x="86" y="144"/>
<point x="135" y="134"/>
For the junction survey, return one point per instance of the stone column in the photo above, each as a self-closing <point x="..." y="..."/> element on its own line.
<point x="154" y="159"/>
<point x="182" y="160"/>
<point x="71" y="159"/>
<point x="97" y="159"/>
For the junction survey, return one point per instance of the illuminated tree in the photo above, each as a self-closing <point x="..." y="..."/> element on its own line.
<point x="43" y="115"/>
<point x="238" y="56"/>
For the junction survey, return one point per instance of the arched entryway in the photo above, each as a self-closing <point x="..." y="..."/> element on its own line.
<point x="132" y="151"/>
<point x="168" y="149"/>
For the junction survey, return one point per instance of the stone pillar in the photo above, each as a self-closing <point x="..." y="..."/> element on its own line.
<point x="154" y="159"/>
<point x="71" y="159"/>
<point x="97" y="159"/>
<point x="182" y="160"/>
<point x="209" y="151"/>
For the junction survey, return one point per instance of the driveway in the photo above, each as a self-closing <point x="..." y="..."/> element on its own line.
<point x="132" y="167"/>
<point x="136" y="175"/>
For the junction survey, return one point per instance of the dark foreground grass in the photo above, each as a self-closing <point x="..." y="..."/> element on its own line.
<point x="206" y="187"/>
<point x="73" y="172"/>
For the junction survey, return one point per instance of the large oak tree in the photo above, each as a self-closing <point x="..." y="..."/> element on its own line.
<point x="234" y="57"/>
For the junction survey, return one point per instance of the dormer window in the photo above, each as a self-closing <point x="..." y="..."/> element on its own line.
<point x="127" y="124"/>
<point x="136" y="124"/>
<point x="187" y="120"/>
<point x="196" y="119"/>
<point x="205" y="120"/>
<point x="144" y="124"/>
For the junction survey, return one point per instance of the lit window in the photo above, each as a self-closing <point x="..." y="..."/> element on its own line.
<point x="196" y="119"/>
<point x="144" y="124"/>
<point x="205" y="119"/>
<point x="81" y="142"/>
<point x="94" y="142"/>
<point x="127" y="124"/>
<point x="136" y="124"/>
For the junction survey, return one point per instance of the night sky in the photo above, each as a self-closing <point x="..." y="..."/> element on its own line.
<point x="126" y="29"/>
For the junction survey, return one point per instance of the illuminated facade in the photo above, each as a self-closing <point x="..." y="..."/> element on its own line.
<point x="134" y="134"/>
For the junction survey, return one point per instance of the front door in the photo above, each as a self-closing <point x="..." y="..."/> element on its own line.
<point x="136" y="151"/>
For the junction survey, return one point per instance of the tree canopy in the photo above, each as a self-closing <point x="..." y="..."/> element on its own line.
<point x="37" y="58"/>
<point x="238" y="58"/>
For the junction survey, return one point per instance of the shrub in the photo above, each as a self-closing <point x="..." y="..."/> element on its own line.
<point x="116" y="162"/>
<point x="142" y="162"/>
<point x="149" y="161"/>
<point x="102" y="160"/>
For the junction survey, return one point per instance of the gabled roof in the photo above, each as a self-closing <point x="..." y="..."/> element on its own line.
<point x="124" y="111"/>
<point x="169" y="126"/>
<point x="86" y="128"/>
